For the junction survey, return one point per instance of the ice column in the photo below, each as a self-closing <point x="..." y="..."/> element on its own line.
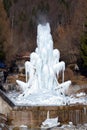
<point x="44" y="67"/>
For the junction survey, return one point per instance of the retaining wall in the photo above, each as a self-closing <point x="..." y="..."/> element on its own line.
<point x="33" y="116"/>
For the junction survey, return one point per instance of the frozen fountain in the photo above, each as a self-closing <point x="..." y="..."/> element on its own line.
<point x="42" y="72"/>
<point x="43" y="91"/>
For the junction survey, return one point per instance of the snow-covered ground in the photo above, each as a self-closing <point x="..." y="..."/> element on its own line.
<point x="69" y="126"/>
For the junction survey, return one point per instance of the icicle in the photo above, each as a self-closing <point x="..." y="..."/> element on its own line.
<point x="62" y="76"/>
<point x="84" y="110"/>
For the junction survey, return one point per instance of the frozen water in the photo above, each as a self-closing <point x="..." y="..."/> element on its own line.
<point x="42" y="72"/>
<point x="45" y="99"/>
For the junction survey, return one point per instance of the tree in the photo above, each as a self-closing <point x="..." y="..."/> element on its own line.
<point x="7" y="5"/>
<point x="84" y="51"/>
<point x="4" y="34"/>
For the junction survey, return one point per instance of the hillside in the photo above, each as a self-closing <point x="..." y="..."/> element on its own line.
<point x="66" y="17"/>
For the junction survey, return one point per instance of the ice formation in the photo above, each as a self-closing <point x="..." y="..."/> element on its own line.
<point x="43" y="69"/>
<point x="50" y="122"/>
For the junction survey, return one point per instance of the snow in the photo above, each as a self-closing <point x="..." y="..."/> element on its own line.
<point x="24" y="126"/>
<point x="80" y="94"/>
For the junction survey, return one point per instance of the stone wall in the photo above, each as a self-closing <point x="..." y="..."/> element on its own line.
<point x="4" y="107"/>
<point x="33" y="116"/>
<point x="5" y="104"/>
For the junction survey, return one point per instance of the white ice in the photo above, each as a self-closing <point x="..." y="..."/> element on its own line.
<point x="42" y="73"/>
<point x="50" y="122"/>
<point x="45" y="98"/>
